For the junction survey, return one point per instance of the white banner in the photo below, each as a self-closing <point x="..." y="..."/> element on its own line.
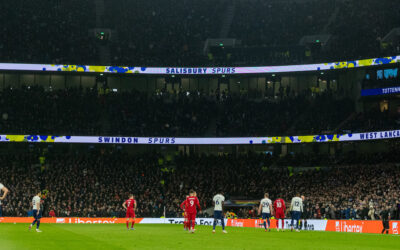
<point x="378" y="135"/>
<point x="200" y="70"/>
<point x="199" y="221"/>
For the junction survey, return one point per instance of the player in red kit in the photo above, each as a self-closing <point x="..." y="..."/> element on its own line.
<point x="280" y="209"/>
<point x="185" y="218"/>
<point x="192" y="203"/>
<point x="130" y="206"/>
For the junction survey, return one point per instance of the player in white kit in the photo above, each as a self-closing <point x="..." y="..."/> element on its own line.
<point x="296" y="207"/>
<point x="218" y="203"/>
<point x="37" y="213"/>
<point x="266" y="209"/>
<point x="5" y="192"/>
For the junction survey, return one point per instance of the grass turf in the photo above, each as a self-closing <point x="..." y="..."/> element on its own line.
<point x="115" y="236"/>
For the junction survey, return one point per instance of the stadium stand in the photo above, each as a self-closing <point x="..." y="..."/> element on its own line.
<point x="77" y="111"/>
<point x="173" y="33"/>
<point x="48" y="32"/>
<point x="94" y="182"/>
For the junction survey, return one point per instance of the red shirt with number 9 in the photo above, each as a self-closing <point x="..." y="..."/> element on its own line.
<point x="192" y="203"/>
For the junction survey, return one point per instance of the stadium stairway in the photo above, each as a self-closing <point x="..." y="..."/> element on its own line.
<point x="99" y="13"/>
<point x="227" y="19"/>
<point x="331" y="20"/>
<point x="344" y="122"/>
<point x="105" y="54"/>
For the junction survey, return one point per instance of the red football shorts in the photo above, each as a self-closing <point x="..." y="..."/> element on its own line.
<point x="280" y="215"/>
<point x="130" y="214"/>
<point x="191" y="216"/>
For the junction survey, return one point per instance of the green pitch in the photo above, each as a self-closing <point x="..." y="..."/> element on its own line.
<point x="73" y="236"/>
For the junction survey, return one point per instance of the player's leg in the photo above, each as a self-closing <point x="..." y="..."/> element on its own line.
<point x="292" y="221"/>
<point x="277" y="222"/>
<point x="193" y="222"/>
<point x="384" y="227"/>
<point x="223" y="223"/>
<point x="128" y="218"/>
<point x="217" y="216"/>
<point x="34" y="212"/>
<point x="193" y="225"/>
<point x="189" y="222"/>
<point x="184" y="221"/>
<point x="264" y="217"/>
<point x="268" y="221"/>
<point x="38" y="222"/>
<point x="133" y="222"/>
<point x="297" y="220"/>
<point x="387" y="227"/>
<point x="305" y="223"/>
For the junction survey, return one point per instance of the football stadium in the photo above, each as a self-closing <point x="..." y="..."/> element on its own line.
<point x="208" y="124"/>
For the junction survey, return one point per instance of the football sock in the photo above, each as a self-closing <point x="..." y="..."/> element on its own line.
<point x="265" y="224"/>
<point x="34" y="222"/>
<point x="277" y="224"/>
<point x="283" y="224"/>
<point x="214" y="224"/>
<point x="133" y="223"/>
<point x="127" y="224"/>
<point x="193" y="223"/>
<point x="38" y="224"/>
<point x="223" y="224"/>
<point x="269" y="223"/>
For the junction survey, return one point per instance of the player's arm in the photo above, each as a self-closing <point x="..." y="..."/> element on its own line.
<point x="5" y="192"/>
<point x="182" y="205"/>
<point x="271" y="209"/>
<point x="38" y="206"/>
<point x="124" y="205"/>
<point x="259" y="209"/>
<point x="198" y="204"/>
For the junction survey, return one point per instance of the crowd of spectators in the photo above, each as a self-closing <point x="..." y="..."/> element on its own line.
<point x="158" y="115"/>
<point x="95" y="183"/>
<point x="303" y="113"/>
<point x="173" y="33"/>
<point x="359" y="28"/>
<point x="373" y="120"/>
<point x="269" y="31"/>
<point x="48" y="31"/>
<point x="75" y="111"/>
<point x="32" y="110"/>
<point x="154" y="33"/>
